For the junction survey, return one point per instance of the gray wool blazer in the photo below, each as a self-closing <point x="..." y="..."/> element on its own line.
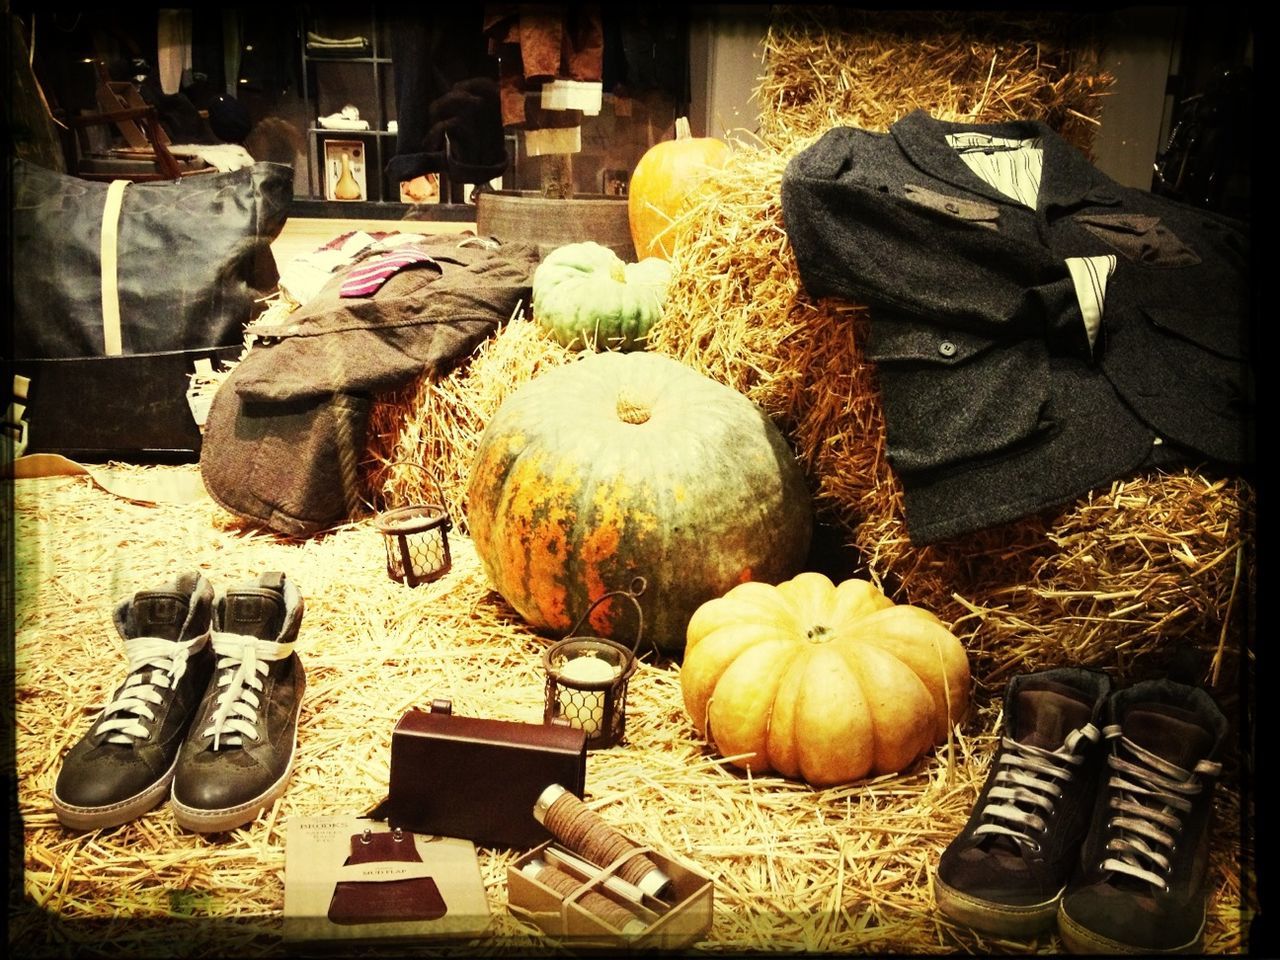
<point x="996" y="404"/>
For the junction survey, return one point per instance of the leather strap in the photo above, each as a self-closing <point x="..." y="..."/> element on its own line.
<point x="112" y="343"/>
<point x="272" y="580"/>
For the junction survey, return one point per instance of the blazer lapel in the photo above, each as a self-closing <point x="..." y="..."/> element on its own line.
<point x="1070" y="180"/>
<point x="1067" y="178"/>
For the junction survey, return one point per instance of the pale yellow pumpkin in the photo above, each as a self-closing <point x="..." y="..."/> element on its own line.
<point x="821" y="682"/>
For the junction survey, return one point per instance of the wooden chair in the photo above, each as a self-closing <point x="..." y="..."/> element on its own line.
<point x="145" y="154"/>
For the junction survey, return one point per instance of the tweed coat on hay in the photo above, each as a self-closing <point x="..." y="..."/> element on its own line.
<point x="286" y="429"/>
<point x="996" y="403"/>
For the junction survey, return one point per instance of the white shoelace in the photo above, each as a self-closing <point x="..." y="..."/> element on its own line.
<point x="155" y="665"/>
<point x="242" y="663"/>
<point x="1150" y="795"/>
<point x="1032" y="776"/>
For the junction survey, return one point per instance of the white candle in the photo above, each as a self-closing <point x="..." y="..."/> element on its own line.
<point x="585" y="708"/>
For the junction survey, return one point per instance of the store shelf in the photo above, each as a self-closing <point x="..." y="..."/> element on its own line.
<point x="334" y="131"/>
<point x="331" y="80"/>
<point x="384" y="210"/>
<point x="327" y="58"/>
<point x="365" y="80"/>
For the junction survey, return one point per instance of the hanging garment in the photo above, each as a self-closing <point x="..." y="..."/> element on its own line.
<point x="173" y="54"/>
<point x="286" y="430"/>
<point x="539" y="42"/>
<point x="448" y="114"/>
<point x="1038" y="330"/>
<point x="649" y="49"/>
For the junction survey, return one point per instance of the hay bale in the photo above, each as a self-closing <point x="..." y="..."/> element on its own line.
<point x="437" y="421"/>
<point x="832" y="65"/>
<point x="824" y="65"/>
<point x="1120" y="575"/>
<point x="1120" y="579"/>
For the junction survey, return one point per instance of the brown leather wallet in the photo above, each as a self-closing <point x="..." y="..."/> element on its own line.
<point x="385" y="901"/>
<point x="477" y="778"/>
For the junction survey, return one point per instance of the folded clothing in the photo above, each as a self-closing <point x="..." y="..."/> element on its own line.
<point x="317" y="42"/>
<point x="335" y="121"/>
<point x="287" y="429"/>
<point x="224" y="157"/>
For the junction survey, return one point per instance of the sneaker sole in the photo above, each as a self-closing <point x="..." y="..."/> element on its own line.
<point x="114" y="814"/>
<point x="992" y="917"/>
<point x="1080" y="939"/>
<point x="228" y="818"/>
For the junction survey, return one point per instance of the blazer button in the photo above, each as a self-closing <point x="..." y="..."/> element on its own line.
<point x="947" y="348"/>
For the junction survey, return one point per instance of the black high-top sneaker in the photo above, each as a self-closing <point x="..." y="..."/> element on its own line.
<point x="239" y="753"/>
<point x="123" y="766"/>
<point x="1007" y="869"/>
<point x="1141" y="885"/>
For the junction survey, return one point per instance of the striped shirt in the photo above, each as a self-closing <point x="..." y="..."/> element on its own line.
<point x="1014" y="167"/>
<point x="1011" y="166"/>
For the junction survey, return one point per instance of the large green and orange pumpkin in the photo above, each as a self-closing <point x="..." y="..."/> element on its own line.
<point x="624" y="465"/>
<point x="821" y="682"/>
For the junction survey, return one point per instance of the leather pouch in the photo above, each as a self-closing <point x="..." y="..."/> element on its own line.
<point x="477" y="779"/>
<point x="382" y="901"/>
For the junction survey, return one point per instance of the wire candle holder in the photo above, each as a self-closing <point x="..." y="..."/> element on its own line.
<point x="587" y="676"/>
<point x="417" y="536"/>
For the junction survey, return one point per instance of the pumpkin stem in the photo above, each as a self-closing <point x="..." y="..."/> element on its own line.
<point x="682" y="129"/>
<point x="631" y="409"/>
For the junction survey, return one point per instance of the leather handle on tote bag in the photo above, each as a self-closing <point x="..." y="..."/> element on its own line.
<point x="113" y="344"/>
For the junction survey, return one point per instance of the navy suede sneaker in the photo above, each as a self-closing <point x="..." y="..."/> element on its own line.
<point x="1006" y="871"/>
<point x="1142" y="883"/>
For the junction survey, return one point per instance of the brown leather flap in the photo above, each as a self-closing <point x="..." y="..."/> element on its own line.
<point x="477" y="779"/>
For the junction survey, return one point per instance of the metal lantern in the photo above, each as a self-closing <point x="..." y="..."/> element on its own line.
<point x="417" y="537"/>
<point x="587" y="677"/>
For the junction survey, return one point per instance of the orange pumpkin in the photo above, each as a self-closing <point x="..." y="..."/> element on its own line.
<point x="662" y="181"/>
<point x="821" y="682"/>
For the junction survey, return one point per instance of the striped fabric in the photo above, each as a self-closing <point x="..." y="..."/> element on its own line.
<point x="1014" y="167"/>
<point x="1090" y="274"/>
<point x="366" y="279"/>
<point x="1011" y="166"/>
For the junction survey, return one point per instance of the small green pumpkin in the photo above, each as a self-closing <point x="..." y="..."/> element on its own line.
<point x="585" y="295"/>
